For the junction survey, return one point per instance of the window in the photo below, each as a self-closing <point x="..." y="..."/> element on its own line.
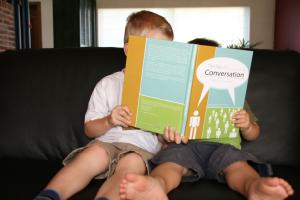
<point x="226" y="25"/>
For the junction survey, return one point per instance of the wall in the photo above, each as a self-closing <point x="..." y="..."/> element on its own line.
<point x="287" y="31"/>
<point x="60" y="19"/>
<point x="262" y="13"/>
<point x="47" y="22"/>
<point x="7" y="26"/>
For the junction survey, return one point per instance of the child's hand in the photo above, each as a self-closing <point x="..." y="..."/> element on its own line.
<point x="250" y="130"/>
<point x="171" y="135"/>
<point x="241" y="119"/>
<point x="120" y="116"/>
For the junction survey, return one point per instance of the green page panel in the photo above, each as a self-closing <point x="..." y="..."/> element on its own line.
<point x="217" y="123"/>
<point x="155" y="114"/>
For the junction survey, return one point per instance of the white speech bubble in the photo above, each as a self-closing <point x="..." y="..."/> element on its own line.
<point x="221" y="73"/>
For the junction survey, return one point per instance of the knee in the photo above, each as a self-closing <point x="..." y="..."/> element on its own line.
<point x="131" y="163"/>
<point x="94" y="154"/>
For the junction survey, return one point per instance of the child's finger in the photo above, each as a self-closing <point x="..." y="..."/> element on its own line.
<point x="184" y="140"/>
<point x="242" y="111"/>
<point x="166" y="134"/>
<point x="126" y="109"/>
<point x="177" y="138"/>
<point x="171" y="135"/>
<point x="123" y="124"/>
<point x="123" y="121"/>
<point x="122" y="112"/>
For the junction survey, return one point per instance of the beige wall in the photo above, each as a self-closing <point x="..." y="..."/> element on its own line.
<point x="47" y="22"/>
<point x="261" y="21"/>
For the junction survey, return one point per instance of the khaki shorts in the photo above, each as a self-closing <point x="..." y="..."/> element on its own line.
<point x="115" y="151"/>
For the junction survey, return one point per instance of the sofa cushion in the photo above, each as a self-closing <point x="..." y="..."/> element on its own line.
<point x="31" y="176"/>
<point x="44" y="97"/>
<point x="272" y="94"/>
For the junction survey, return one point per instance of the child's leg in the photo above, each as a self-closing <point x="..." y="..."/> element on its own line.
<point x="78" y="173"/>
<point x="129" y="163"/>
<point x="164" y="178"/>
<point x="241" y="177"/>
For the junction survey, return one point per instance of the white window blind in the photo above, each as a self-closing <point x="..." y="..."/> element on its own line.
<point x="226" y="25"/>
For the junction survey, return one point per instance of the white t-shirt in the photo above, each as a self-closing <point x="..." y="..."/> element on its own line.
<point x="106" y="95"/>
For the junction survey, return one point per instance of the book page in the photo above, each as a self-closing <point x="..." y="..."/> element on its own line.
<point x="223" y="77"/>
<point x="166" y="78"/>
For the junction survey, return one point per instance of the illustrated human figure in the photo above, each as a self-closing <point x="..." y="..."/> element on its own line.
<point x="226" y="127"/>
<point x="224" y="117"/>
<point x="218" y="133"/>
<point x="209" y="119"/>
<point x="233" y="133"/>
<point x="231" y="113"/>
<point x="217" y="123"/>
<point x="216" y="115"/>
<point x="208" y="132"/>
<point x="194" y="123"/>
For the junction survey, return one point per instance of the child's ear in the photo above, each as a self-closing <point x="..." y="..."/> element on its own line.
<point x="125" y="48"/>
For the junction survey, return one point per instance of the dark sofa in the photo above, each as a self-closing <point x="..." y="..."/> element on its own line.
<point x="44" y="95"/>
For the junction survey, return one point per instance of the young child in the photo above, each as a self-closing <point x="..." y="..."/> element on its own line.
<point x="222" y="160"/>
<point x="204" y="41"/>
<point x="114" y="152"/>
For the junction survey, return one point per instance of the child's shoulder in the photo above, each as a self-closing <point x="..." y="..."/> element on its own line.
<point x="113" y="78"/>
<point x="118" y="74"/>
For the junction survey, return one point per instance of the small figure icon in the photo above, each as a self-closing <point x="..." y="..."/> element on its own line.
<point x="218" y="133"/>
<point x="208" y="132"/>
<point x="231" y="114"/>
<point x="226" y="127"/>
<point x="194" y="123"/>
<point x="221" y="112"/>
<point x="216" y="115"/>
<point x="224" y="117"/>
<point x="217" y="123"/>
<point x="233" y="133"/>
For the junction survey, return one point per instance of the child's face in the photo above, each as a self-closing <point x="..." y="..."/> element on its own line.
<point x="156" y="34"/>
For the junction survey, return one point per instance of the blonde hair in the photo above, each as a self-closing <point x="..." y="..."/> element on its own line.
<point x="141" y="22"/>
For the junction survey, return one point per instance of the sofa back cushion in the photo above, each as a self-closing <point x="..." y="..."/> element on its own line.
<point x="273" y="96"/>
<point x="44" y="97"/>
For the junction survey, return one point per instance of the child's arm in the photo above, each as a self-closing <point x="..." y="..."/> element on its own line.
<point x="120" y="116"/>
<point x="250" y="130"/>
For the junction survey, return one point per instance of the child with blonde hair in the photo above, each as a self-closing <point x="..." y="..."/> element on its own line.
<point x="114" y="152"/>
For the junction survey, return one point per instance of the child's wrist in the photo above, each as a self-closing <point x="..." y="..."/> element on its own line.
<point x="247" y="130"/>
<point x="109" y="121"/>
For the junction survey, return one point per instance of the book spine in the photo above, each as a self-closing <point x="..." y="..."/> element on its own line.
<point x="188" y="89"/>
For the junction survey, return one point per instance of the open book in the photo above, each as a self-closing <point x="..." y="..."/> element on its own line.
<point x="192" y="88"/>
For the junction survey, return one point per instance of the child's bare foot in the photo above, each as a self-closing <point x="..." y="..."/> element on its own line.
<point x="269" y="189"/>
<point x="137" y="187"/>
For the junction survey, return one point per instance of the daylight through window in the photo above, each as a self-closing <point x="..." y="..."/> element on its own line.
<point x="226" y="25"/>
